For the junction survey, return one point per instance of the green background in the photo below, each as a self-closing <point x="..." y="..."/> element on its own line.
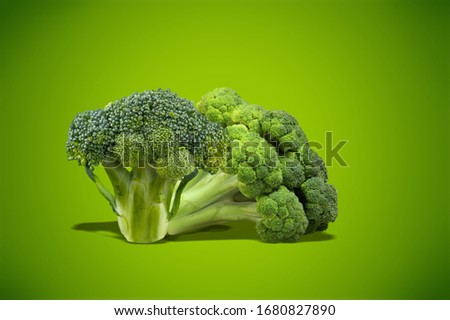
<point x="373" y="73"/>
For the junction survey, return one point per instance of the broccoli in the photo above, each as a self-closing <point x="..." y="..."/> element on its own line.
<point x="176" y="168"/>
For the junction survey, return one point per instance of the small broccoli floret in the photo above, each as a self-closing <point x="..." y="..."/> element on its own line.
<point x="312" y="163"/>
<point x="225" y="106"/>
<point x="292" y="170"/>
<point x="282" y="217"/>
<point x="320" y="202"/>
<point x="219" y="104"/>
<point x="87" y="139"/>
<point x="254" y="161"/>
<point x="282" y="130"/>
<point x="248" y="115"/>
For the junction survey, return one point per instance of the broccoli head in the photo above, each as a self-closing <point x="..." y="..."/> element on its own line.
<point x="162" y="138"/>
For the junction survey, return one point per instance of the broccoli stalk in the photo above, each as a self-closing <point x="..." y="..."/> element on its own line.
<point x="143" y="215"/>
<point x="222" y="211"/>
<point x="141" y="201"/>
<point x="211" y="199"/>
<point x="206" y="189"/>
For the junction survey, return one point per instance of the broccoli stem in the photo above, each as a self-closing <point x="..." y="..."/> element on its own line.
<point x="102" y="189"/>
<point x="142" y="199"/>
<point x="220" y="212"/>
<point x="209" y="200"/>
<point x="206" y="189"/>
<point x="119" y="177"/>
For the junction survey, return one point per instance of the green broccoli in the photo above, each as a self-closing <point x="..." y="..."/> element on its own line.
<point x="175" y="168"/>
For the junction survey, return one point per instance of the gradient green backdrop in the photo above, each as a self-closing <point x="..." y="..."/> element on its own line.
<point x="374" y="73"/>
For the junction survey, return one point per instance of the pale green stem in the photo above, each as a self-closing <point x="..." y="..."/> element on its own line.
<point x="213" y="215"/>
<point x="206" y="189"/>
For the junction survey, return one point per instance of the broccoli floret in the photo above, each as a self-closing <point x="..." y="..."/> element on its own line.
<point x="292" y="169"/>
<point x="176" y="169"/>
<point x="225" y="106"/>
<point x="219" y="105"/>
<point x="313" y="165"/>
<point x="282" y="130"/>
<point x="254" y="162"/>
<point x="320" y="202"/>
<point x="282" y="217"/>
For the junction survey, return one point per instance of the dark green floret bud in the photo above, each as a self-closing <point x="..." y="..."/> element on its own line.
<point x="282" y="130"/>
<point x="282" y="217"/>
<point x="320" y="203"/>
